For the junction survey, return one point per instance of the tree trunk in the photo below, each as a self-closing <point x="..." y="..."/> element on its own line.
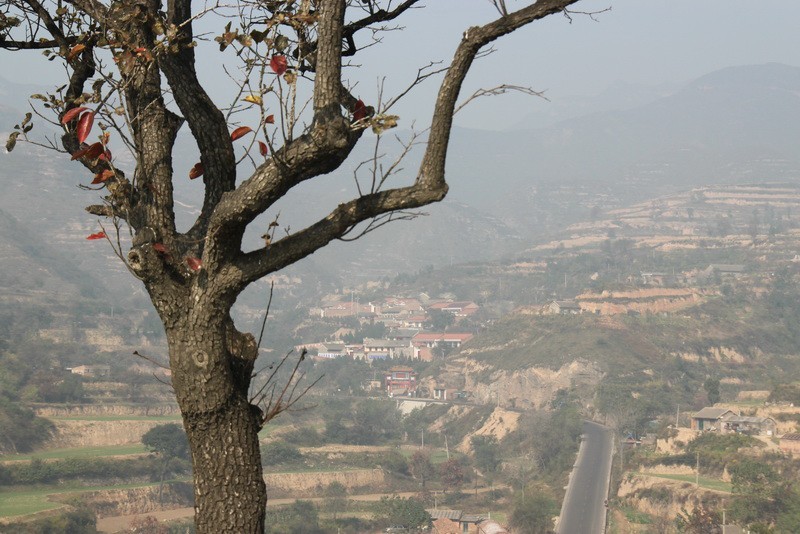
<point x="230" y="494"/>
<point x="212" y="364"/>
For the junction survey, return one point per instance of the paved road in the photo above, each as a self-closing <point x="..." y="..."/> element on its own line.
<point x="583" y="510"/>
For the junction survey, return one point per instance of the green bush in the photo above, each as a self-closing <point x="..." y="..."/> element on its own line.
<point x="280" y="453"/>
<point x="39" y="472"/>
<point x="79" y="521"/>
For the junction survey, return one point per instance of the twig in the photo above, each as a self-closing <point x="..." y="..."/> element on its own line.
<point x="499" y="90"/>
<point x="151" y="360"/>
<point x="266" y="314"/>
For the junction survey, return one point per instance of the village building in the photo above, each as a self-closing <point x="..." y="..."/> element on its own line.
<point x="402" y="334"/>
<point x="724" y="271"/>
<point x="91" y="371"/>
<point x="562" y="307"/>
<point x="330" y="350"/>
<point x="452" y="340"/>
<point x="748" y="425"/>
<point x="709" y="418"/>
<point x="343" y="309"/>
<point x="401" y="381"/>
<point x="458" y="309"/>
<point x="404" y="305"/>
<point x="387" y="348"/>
<point x="413" y="320"/>
<point x="457" y="522"/>
<point x="441" y="392"/>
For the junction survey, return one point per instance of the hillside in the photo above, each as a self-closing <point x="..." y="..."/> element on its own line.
<point x="665" y="293"/>
<point x="508" y="189"/>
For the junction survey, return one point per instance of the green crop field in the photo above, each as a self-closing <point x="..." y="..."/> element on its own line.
<point x="16" y="502"/>
<point x="81" y="452"/>
<point x="13" y="503"/>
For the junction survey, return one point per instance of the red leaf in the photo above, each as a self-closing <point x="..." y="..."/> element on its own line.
<point x="77" y="49"/>
<point x="101" y="177"/>
<point x="72" y="114"/>
<point x="196" y="171"/>
<point x="278" y="64"/>
<point x="160" y="248"/>
<point x="92" y="151"/>
<point x="84" y="126"/>
<point x="194" y="264"/>
<point x="360" y="111"/>
<point x="98" y="235"/>
<point x="263" y="148"/>
<point x="270" y="119"/>
<point x="105" y="156"/>
<point x="241" y="131"/>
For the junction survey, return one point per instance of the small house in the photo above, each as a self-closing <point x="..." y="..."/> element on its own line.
<point x="456" y="521"/>
<point x="748" y="425"/>
<point x="91" y="371"/>
<point x="709" y="418"/>
<point x="790" y="444"/>
<point x="562" y="307"/>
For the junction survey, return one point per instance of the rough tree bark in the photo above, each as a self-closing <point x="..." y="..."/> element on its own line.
<point x="193" y="278"/>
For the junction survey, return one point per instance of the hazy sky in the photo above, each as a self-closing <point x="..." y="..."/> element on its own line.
<point x="638" y="41"/>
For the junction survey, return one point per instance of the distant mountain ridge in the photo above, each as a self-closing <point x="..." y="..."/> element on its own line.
<point x="508" y="189"/>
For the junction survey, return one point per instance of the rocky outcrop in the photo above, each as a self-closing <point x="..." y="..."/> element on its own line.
<point x="534" y="387"/>
<point x="499" y="424"/>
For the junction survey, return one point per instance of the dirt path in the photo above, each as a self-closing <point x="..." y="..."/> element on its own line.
<point x="111" y="525"/>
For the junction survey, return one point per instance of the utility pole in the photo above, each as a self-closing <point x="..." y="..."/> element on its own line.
<point x="723" y="517"/>
<point x="697" y="471"/>
<point x="677" y="415"/>
<point x="423" y="439"/>
<point x="446" y="448"/>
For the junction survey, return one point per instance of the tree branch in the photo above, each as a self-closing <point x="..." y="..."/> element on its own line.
<point x="205" y="119"/>
<point x="430" y="185"/>
<point x="35" y="45"/>
<point x="328" y="82"/>
<point x="433" y="162"/>
<point x="290" y="249"/>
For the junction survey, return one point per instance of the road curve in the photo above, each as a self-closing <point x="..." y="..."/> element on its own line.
<point x="583" y="510"/>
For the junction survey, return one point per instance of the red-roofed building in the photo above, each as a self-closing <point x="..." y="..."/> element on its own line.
<point x="401" y="381"/>
<point x="459" y="309"/>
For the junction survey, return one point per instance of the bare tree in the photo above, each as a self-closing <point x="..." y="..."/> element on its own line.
<point x="126" y="62"/>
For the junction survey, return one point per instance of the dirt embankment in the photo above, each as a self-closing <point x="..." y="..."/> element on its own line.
<point x="307" y="484"/>
<point x="108" y="503"/>
<point x="499" y="424"/>
<point x="664" y="498"/>
<point x="76" y="433"/>
<point x="119" y="410"/>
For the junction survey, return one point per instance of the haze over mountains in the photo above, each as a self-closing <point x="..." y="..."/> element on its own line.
<point x="508" y="189"/>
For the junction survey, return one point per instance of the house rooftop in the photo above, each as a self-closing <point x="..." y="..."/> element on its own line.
<point x="454" y="515"/>
<point x="727" y="267"/>
<point x="747" y="419"/>
<point x="709" y="412"/>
